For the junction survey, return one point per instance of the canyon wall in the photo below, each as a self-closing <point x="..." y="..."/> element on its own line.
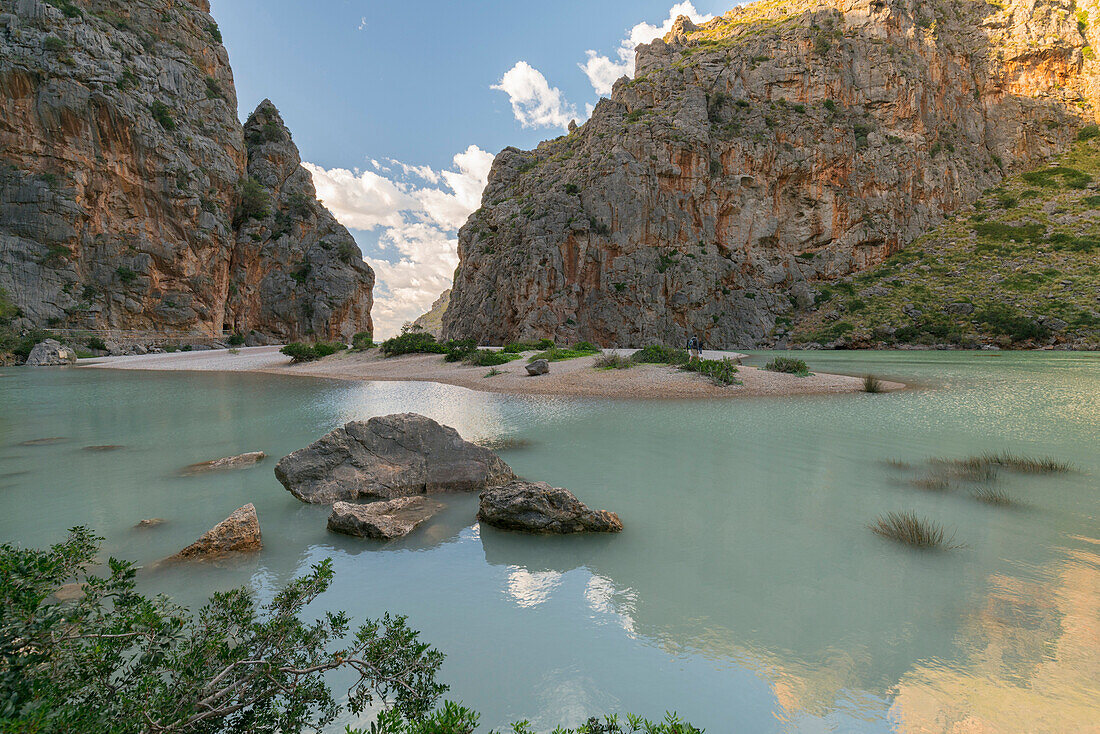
<point x="130" y="196"/>
<point x="778" y="145"/>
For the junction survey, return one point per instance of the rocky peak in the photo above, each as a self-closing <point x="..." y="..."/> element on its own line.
<point x="775" y="146"/>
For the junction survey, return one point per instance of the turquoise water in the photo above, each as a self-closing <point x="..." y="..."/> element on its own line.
<point x="746" y="592"/>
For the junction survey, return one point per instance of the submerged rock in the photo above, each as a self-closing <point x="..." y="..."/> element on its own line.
<point x="537" y="507"/>
<point x="238" y="533"/>
<point x="105" y="447"/>
<point x="44" y="441"/>
<point x="382" y="520"/>
<point x="50" y="353"/>
<point x="227" y="462"/>
<point x="150" y="522"/>
<point x="538" y="367"/>
<point x="386" y="457"/>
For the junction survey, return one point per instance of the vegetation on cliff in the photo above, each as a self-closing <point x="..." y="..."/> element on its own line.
<point x="1019" y="268"/>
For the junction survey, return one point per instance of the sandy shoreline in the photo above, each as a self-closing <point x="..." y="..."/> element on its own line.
<point x="573" y="378"/>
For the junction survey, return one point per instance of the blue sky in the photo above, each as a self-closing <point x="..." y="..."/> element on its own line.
<point x="382" y="97"/>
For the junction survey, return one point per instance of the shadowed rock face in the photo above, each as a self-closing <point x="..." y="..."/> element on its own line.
<point x="122" y="179"/>
<point x="238" y="533"/>
<point x="387" y="457"/>
<point x="778" y="144"/>
<point x="536" y="507"/>
<point x="382" y="520"/>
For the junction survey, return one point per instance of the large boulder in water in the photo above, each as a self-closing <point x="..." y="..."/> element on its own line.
<point x="536" y="507"/>
<point x="387" y="457"/>
<point x="50" y="353"/>
<point x="238" y="533"/>
<point x="382" y="520"/>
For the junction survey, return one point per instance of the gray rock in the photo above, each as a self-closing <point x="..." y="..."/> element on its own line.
<point x="50" y="353"/>
<point x="538" y="367"/>
<point x="240" y="461"/>
<point x="960" y="308"/>
<point x="394" y="518"/>
<point x="537" y="507"/>
<point x="238" y="533"/>
<point x="387" y="457"/>
<point x="150" y="522"/>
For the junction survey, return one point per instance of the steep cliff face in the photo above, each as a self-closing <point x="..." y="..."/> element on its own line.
<point x="778" y="145"/>
<point x="123" y="169"/>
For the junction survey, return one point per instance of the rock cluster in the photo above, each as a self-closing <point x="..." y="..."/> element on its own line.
<point x="238" y="533"/>
<point x="133" y="198"/>
<point x="755" y="154"/>
<point x="387" y="457"/>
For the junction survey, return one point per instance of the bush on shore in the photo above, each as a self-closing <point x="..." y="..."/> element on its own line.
<point x="362" y="341"/>
<point x="658" y="354"/>
<point x="720" y="371"/>
<point x="789" y="366"/>
<point x="412" y="342"/>
<point x="116" y="660"/>
<point x="613" y="362"/>
<point x="489" y="358"/>
<point x="302" y="352"/>
<point x="559" y="354"/>
<point x="517" y="347"/>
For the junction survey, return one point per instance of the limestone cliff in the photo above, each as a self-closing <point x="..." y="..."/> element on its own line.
<point x="432" y="321"/>
<point x="129" y="195"/>
<point x="782" y="144"/>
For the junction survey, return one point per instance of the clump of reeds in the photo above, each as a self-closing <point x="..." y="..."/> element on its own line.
<point x="908" y="529"/>
<point x="932" y="483"/>
<point x="897" y="464"/>
<point x="613" y="361"/>
<point x="992" y="496"/>
<point x="872" y="384"/>
<point x="1014" y="462"/>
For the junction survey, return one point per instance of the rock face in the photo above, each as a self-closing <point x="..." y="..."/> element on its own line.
<point x="779" y="144"/>
<point x="382" y="520"/>
<point x="387" y="457"/>
<point x="227" y="462"/>
<point x="537" y="507"/>
<point x="131" y="197"/>
<point x="538" y="367"/>
<point x="50" y="353"/>
<point x="238" y="533"/>
<point x="432" y="322"/>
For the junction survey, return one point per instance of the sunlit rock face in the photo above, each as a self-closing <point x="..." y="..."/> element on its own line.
<point x="122" y="168"/>
<point x="777" y="144"/>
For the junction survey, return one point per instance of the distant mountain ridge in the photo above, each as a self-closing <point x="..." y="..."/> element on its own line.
<point x="757" y="156"/>
<point x="133" y="198"/>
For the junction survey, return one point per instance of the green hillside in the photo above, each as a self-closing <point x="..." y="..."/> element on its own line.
<point x="1018" y="269"/>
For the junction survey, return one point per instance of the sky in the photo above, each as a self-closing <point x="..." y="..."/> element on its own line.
<point x="398" y="108"/>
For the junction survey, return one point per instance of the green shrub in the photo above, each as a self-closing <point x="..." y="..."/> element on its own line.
<point x="1004" y="319"/>
<point x="95" y="342"/>
<point x="215" y="32"/>
<point x="789" y="365"/>
<point x="53" y="44"/>
<point x="163" y="115"/>
<point x="556" y="354"/>
<point x="719" y="371"/>
<point x="1071" y="177"/>
<point x="301" y="352"/>
<point x="489" y="358"/>
<point x="613" y="362"/>
<point x="459" y="349"/>
<point x="125" y="274"/>
<point x="517" y="347"/>
<point x="255" y="201"/>
<point x="362" y="341"/>
<point x="658" y="354"/>
<point x="412" y="342"/>
<point x="214" y="89"/>
<point x="1088" y="132"/>
<point x="235" y="340"/>
<point x="585" y="347"/>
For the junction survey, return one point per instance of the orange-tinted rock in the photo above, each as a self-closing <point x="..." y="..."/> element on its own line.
<point x="238" y="533"/>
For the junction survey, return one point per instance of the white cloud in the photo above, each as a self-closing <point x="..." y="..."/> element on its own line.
<point x="534" y="102"/>
<point x="603" y="71"/>
<point x="363" y="22"/>
<point x="418" y="226"/>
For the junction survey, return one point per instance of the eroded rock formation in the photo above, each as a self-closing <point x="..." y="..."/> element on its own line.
<point x="750" y="156"/>
<point x="394" y="518"/>
<point x="130" y="196"/>
<point x="238" y="533"/>
<point x="536" y="507"/>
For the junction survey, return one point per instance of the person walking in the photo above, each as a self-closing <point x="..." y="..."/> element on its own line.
<point x="695" y="347"/>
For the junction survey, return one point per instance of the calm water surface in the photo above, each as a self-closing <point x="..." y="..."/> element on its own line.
<point x="746" y="591"/>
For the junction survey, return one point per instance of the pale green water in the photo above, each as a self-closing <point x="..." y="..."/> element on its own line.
<point x="746" y="591"/>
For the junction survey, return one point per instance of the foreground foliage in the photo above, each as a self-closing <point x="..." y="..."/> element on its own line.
<point x="116" y="661"/>
<point x="302" y="352"/>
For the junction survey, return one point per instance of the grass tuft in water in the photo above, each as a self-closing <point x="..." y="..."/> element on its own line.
<point x="932" y="483"/>
<point x="1015" y="462"/>
<point x="993" y="496"/>
<point x="908" y="529"/>
<point x="872" y="384"/>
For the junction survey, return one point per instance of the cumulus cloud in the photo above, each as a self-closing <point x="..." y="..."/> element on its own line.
<point x="417" y="226"/>
<point x="534" y="102"/>
<point x="602" y="71"/>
